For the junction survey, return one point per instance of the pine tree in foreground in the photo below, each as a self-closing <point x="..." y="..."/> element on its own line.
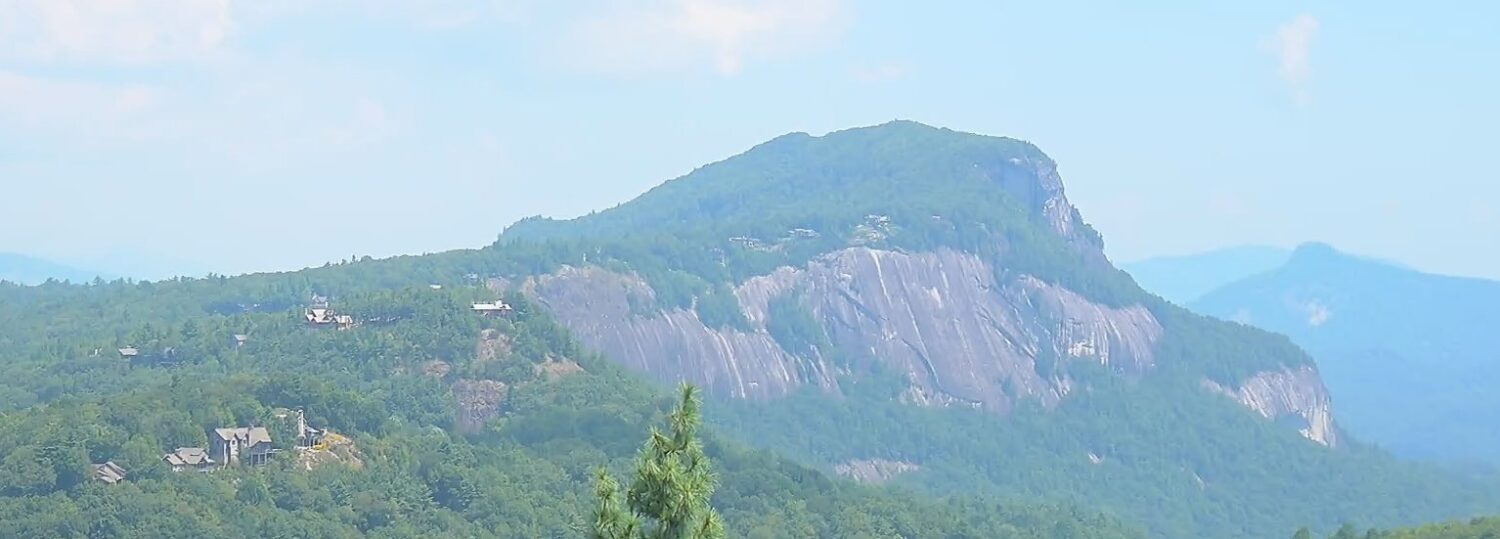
<point x="669" y="497"/>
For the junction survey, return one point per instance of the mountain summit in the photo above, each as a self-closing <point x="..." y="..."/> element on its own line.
<point x="953" y="261"/>
<point x="918" y="304"/>
<point x="903" y="170"/>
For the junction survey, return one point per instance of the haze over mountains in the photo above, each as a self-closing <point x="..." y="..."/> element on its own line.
<point x="24" y="269"/>
<point x="909" y="306"/>
<point x="1404" y="353"/>
<point x="1183" y="279"/>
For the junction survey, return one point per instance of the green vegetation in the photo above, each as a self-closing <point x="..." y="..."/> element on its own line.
<point x="386" y="384"/>
<point x="1479" y="528"/>
<point x="674" y="481"/>
<point x="1384" y="334"/>
<point x="1174" y="460"/>
<point x="1171" y="458"/>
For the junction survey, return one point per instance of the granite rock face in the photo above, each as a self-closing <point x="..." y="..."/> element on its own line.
<point x="959" y="332"/>
<point x="1291" y="393"/>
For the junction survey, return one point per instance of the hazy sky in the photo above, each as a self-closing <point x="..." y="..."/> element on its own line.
<point x="241" y="135"/>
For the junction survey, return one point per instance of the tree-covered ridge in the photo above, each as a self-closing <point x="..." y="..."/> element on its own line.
<point x="387" y="385"/>
<point x="899" y="185"/>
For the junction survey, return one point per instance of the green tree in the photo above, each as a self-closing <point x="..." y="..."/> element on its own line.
<point x="669" y="498"/>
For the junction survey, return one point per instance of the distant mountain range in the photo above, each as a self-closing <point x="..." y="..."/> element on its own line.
<point x="18" y="268"/>
<point x="1183" y="279"/>
<point x="32" y="270"/>
<point x="1405" y="354"/>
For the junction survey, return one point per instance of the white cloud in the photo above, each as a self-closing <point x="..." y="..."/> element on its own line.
<point x="112" y="32"/>
<point x="78" y="108"/>
<point x="1291" y="44"/>
<point x="671" y="34"/>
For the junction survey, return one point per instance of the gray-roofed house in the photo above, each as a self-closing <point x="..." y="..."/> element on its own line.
<point x="129" y="352"/>
<point x="108" y="473"/>
<point x="241" y="445"/>
<point x="189" y="458"/>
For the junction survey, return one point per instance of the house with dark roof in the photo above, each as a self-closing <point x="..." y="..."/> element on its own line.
<point x="240" y="445"/>
<point x="189" y="459"/>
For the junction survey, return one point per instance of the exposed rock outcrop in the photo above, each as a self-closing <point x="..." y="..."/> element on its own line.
<point x="596" y="305"/>
<point x="960" y="333"/>
<point x="492" y="345"/>
<point x="1036" y="184"/>
<point x="874" y="471"/>
<point x="1290" y="393"/>
<point x="478" y="402"/>
<point x="553" y="368"/>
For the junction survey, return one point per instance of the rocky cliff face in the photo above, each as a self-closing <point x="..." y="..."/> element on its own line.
<point x="1288" y="394"/>
<point x="1037" y="185"/>
<point x="961" y="329"/>
<point x="959" y="332"/>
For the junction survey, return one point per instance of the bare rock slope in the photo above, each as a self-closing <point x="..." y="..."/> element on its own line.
<point x="962" y="329"/>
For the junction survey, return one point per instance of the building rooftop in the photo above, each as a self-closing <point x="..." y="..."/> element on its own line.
<point x="108" y="473"/>
<point x="188" y="456"/>
<point x="491" y="306"/>
<point x="247" y="435"/>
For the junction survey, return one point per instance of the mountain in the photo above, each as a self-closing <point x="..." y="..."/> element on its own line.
<point x="1183" y="279"/>
<point x="435" y="420"/>
<point x="24" y="269"/>
<point x="1400" y="349"/>
<point x="913" y="308"/>
<point x="926" y="306"/>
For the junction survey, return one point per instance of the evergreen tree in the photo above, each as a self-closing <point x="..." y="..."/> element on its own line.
<point x="669" y="498"/>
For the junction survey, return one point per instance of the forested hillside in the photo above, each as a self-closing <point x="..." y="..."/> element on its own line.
<point x="815" y="228"/>
<point x="464" y="423"/>
<point x="387" y="384"/>
<point x="1479" y="528"/>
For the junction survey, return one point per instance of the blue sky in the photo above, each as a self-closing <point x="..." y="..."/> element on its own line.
<point x="247" y="135"/>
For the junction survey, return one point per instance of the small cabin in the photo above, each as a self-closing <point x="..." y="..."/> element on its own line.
<point x="496" y="307"/>
<point x="240" y="339"/>
<point x="108" y="473"/>
<point x="129" y="352"/>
